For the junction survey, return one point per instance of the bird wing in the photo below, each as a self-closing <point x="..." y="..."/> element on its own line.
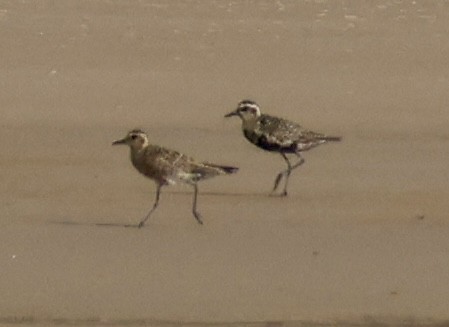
<point x="277" y="130"/>
<point x="287" y="134"/>
<point x="178" y="166"/>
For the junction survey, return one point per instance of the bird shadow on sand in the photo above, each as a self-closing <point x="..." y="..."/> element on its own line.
<point x="227" y="194"/>
<point x="249" y="195"/>
<point x="136" y="226"/>
<point x="77" y="223"/>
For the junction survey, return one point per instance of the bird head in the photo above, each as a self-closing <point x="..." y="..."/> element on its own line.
<point x="136" y="139"/>
<point x="246" y="110"/>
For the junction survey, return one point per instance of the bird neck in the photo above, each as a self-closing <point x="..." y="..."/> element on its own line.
<point x="249" y="123"/>
<point x="137" y="156"/>
<point x="138" y="149"/>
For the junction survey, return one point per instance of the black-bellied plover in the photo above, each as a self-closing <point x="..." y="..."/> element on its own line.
<point x="278" y="135"/>
<point x="166" y="167"/>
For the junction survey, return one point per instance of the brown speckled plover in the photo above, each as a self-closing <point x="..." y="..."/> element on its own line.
<point x="277" y="135"/>
<point x="166" y="167"/>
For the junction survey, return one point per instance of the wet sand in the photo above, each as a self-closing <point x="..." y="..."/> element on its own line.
<point x="362" y="238"/>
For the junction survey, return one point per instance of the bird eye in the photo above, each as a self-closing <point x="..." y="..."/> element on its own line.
<point x="134" y="136"/>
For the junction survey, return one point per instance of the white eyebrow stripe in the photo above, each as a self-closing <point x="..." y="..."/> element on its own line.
<point x="249" y="105"/>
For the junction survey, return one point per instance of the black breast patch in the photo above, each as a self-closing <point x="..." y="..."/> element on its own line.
<point x="262" y="142"/>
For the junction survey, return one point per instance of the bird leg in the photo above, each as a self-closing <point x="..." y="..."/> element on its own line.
<point x="296" y="165"/>
<point x="195" y="213"/>
<point x="158" y="192"/>
<point x="282" y="174"/>
<point x="287" y="172"/>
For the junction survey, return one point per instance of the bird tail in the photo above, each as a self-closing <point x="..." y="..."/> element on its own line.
<point x="223" y="169"/>
<point x="332" y="138"/>
<point x="229" y="169"/>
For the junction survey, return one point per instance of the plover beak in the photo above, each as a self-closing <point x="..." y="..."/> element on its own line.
<point x="122" y="141"/>
<point x="232" y="113"/>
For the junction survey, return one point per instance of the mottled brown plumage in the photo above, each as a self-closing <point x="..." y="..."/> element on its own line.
<point x="278" y="135"/>
<point x="167" y="167"/>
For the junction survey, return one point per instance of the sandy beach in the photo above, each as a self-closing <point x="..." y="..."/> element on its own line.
<point x="362" y="238"/>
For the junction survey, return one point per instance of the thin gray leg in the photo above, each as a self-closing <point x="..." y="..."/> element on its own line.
<point x="195" y="213"/>
<point x="287" y="172"/>
<point x="299" y="163"/>
<point x="156" y="202"/>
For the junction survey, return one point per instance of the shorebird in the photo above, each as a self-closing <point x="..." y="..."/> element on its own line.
<point x="277" y="135"/>
<point x="167" y="167"/>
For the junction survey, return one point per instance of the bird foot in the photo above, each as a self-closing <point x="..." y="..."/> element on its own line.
<point x="281" y="195"/>
<point x="197" y="217"/>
